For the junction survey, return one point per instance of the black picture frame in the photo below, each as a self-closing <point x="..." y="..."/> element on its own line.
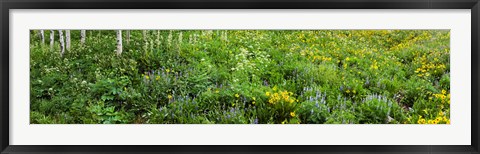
<point x="6" y="5"/>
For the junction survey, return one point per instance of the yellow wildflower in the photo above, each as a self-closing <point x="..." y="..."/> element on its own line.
<point x="292" y="114"/>
<point x="291" y="101"/>
<point x="236" y="95"/>
<point x="170" y="96"/>
<point x="157" y="78"/>
<point x="421" y="121"/>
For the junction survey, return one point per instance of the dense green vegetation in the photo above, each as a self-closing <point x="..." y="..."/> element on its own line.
<point x="243" y="76"/>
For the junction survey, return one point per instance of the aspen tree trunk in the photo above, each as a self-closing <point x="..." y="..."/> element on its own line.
<point x="83" y="34"/>
<point x="128" y="36"/>
<point x="119" y="42"/>
<point x="52" y="39"/>
<point x="157" y="41"/>
<point x="67" y="36"/>
<point x="144" y="35"/>
<point x="62" y="43"/>
<point x="42" y="36"/>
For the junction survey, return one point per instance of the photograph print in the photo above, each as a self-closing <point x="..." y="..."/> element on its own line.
<point x="386" y="76"/>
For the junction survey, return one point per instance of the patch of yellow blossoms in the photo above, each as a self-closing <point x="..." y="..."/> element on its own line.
<point x="441" y="117"/>
<point x="276" y="97"/>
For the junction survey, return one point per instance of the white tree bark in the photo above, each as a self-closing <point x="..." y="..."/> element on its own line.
<point x="128" y="36"/>
<point x="52" y="39"/>
<point x="119" y="42"/>
<point x="67" y="36"/>
<point x="42" y="36"/>
<point x="83" y="35"/>
<point x="62" y="43"/>
<point x="144" y="35"/>
<point x="157" y="41"/>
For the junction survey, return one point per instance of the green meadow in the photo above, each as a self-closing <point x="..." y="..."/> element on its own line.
<point x="242" y="77"/>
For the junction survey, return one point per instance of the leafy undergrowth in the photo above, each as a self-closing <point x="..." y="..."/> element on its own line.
<point x="244" y="77"/>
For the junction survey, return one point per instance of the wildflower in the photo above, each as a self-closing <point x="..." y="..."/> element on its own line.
<point x="169" y="96"/>
<point x="157" y="78"/>
<point x="353" y="91"/>
<point x="267" y="94"/>
<point x="444" y="92"/>
<point x="147" y="77"/>
<point x="292" y="114"/>
<point x="348" y="91"/>
<point x="236" y="95"/>
<point x="421" y="121"/>
<point x="253" y="102"/>
<point x="167" y="70"/>
<point x="216" y="91"/>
